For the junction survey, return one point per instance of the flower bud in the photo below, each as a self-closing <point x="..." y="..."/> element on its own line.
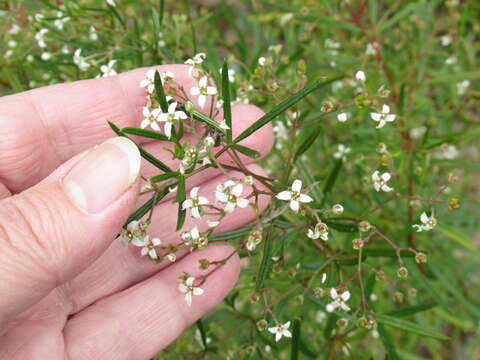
<point x="318" y="292"/>
<point x="255" y="297"/>
<point x="420" y="258"/>
<point x="382" y="92"/>
<point x="454" y="203"/>
<point x="204" y="264"/>
<point x="357" y="244"/>
<point x="337" y="209"/>
<point x="380" y="275"/>
<point x="399" y="297"/>
<point x="326" y="107"/>
<point x="262" y="325"/>
<point x="402" y="272"/>
<point x="342" y="323"/>
<point x="412" y="292"/>
<point x="299" y="299"/>
<point x="382" y="148"/>
<point x="365" y="226"/>
<point x="363" y="322"/>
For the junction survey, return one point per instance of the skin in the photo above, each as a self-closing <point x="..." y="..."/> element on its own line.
<point x="69" y="291"/>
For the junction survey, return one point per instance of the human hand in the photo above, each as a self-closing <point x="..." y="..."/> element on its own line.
<point x="67" y="290"/>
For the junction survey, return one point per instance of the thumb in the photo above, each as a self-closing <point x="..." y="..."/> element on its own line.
<point x="54" y="230"/>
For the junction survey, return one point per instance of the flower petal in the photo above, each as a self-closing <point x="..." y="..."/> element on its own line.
<point x="284" y="195"/>
<point x="297" y="185"/>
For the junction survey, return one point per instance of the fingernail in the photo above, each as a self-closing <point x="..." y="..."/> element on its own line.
<point x="103" y="175"/>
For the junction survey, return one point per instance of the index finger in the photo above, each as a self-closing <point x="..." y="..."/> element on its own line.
<point x="42" y="128"/>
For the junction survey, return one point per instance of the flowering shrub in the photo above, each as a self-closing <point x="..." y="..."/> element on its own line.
<point x="364" y="239"/>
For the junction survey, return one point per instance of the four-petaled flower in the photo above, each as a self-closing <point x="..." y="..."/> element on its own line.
<point x="148" y="245"/>
<point x="108" y="70"/>
<point x="294" y="196"/>
<point x="380" y="181"/>
<point x="229" y="194"/>
<point x="280" y="331"/>
<point x="383" y="117"/>
<point x="150" y="118"/>
<point x="186" y="287"/>
<point x="319" y="231"/>
<point x="194" y="203"/>
<point x="171" y="117"/>
<point x="202" y="90"/>
<point x="428" y="223"/>
<point x="342" y="151"/>
<point x="339" y="300"/>
<point x="149" y="82"/>
<point x="196" y="60"/>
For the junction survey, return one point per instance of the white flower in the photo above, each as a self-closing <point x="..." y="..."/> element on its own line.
<point x="191" y="237"/>
<point x="370" y="50"/>
<point x="229" y="194"/>
<point x="93" y="33"/>
<point x="383" y="117"/>
<point x="294" y="196"/>
<point x="186" y="287"/>
<point x="40" y="37"/>
<point x="428" y="223"/>
<point x="149" y="82"/>
<point x="14" y="30"/>
<point x="417" y="133"/>
<point x="147" y="245"/>
<point x="462" y="86"/>
<point x="342" y="151"/>
<point x="286" y="18"/>
<point x="133" y="230"/>
<point x="342" y="117"/>
<point x="446" y="40"/>
<point x="451" y="60"/>
<point x="449" y="152"/>
<point x="46" y="56"/>
<point x="171" y="117"/>
<point x="195" y="203"/>
<point x="80" y="61"/>
<point x="262" y="61"/>
<point x="360" y="76"/>
<point x="332" y="44"/>
<point x="150" y="118"/>
<point x="108" y="70"/>
<point x="202" y="90"/>
<point x="339" y="300"/>
<point x="111" y="3"/>
<point x="193" y="62"/>
<point x="280" y="331"/>
<point x="320" y="316"/>
<point x="58" y="23"/>
<point x="320" y="231"/>
<point x="380" y="182"/>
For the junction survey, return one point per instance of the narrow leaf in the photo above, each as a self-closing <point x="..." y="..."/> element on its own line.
<point x="247" y="151"/>
<point x="227" y="110"/>
<point x="145" y="133"/>
<point x="163" y="177"/>
<point x="295" y="340"/>
<point x="161" y="98"/>
<point x="280" y="108"/>
<point x="387" y="343"/>
<point x="145" y="154"/>
<point x="332" y="178"/>
<point x="203" y="336"/>
<point x="305" y="145"/>
<point x="410" y="327"/>
<point x="412" y="309"/>
<point x="207" y="120"/>
<point x="265" y="265"/>
<point x="145" y="208"/>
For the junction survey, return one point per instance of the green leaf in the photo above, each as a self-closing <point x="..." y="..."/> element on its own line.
<point x="412" y="309"/>
<point x="161" y="98"/>
<point x="265" y="265"/>
<point x="145" y="133"/>
<point x="332" y="178"/>
<point x="145" y="208"/>
<point x="280" y="108"/>
<point x="163" y="177"/>
<point x="203" y="335"/>
<point x="459" y="238"/>
<point x="410" y="327"/>
<point x="145" y="154"/>
<point x="246" y="151"/>
<point x="342" y="227"/>
<point x="227" y="110"/>
<point x="295" y="340"/>
<point x="387" y="343"/>
<point x="180" y="198"/>
<point x="207" y="120"/>
<point x="305" y="145"/>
